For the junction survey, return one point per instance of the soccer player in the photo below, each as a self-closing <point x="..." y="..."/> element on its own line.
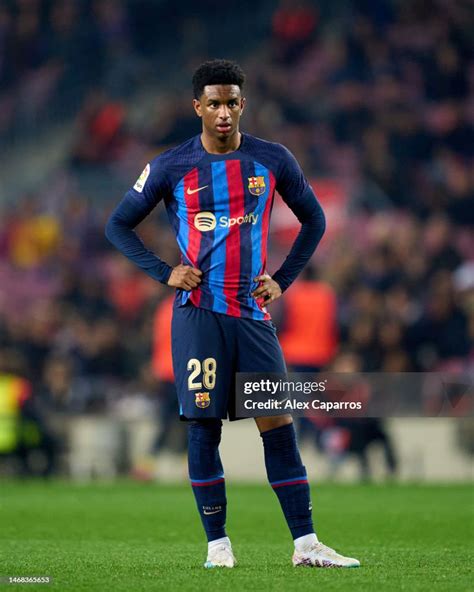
<point x="218" y="189"/>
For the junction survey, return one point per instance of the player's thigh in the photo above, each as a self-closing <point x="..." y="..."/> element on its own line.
<point x="202" y="362"/>
<point x="258" y="348"/>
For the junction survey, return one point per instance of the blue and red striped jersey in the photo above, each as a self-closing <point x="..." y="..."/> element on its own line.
<point x="219" y="207"/>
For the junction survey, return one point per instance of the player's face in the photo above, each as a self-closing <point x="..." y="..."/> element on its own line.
<point x="220" y="108"/>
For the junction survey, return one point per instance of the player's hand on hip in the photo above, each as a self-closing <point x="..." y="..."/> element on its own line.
<point x="268" y="289"/>
<point x="185" y="277"/>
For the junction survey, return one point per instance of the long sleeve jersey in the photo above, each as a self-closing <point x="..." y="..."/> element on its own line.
<point x="219" y="206"/>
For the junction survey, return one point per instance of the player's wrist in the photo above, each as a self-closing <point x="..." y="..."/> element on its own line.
<point x="278" y="280"/>
<point x="167" y="276"/>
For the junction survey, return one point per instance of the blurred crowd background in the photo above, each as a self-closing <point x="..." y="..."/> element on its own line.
<point x="375" y="99"/>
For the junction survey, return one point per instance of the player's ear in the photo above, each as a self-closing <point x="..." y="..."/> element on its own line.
<point x="197" y="107"/>
<point x="242" y="104"/>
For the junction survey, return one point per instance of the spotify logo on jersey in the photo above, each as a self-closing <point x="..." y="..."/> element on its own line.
<point x="205" y="221"/>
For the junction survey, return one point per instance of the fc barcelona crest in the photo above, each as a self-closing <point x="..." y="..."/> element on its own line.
<point x="202" y="400"/>
<point x="257" y="185"/>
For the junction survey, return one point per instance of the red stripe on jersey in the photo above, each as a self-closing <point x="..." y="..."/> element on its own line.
<point x="265" y="227"/>
<point x="191" y="181"/>
<point x="232" y="251"/>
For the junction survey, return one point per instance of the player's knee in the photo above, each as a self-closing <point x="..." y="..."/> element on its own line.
<point x="266" y="424"/>
<point x="205" y="430"/>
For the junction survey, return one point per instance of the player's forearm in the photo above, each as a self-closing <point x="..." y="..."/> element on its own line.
<point x="313" y="225"/>
<point x="120" y="232"/>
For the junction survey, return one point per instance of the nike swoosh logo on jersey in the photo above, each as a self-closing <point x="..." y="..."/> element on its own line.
<point x="190" y="191"/>
<point x="207" y="513"/>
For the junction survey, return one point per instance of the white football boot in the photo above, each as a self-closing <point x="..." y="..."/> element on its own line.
<point x="220" y="556"/>
<point x="318" y="555"/>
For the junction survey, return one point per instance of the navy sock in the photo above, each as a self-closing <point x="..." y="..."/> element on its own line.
<point x="207" y="475"/>
<point x="287" y="476"/>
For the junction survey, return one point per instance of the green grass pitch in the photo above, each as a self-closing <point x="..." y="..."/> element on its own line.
<point x="133" y="537"/>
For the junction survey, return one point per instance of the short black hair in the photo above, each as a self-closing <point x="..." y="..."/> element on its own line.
<point x="217" y="72"/>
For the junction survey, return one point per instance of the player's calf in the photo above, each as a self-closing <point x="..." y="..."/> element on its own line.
<point x="287" y="476"/>
<point x="207" y="475"/>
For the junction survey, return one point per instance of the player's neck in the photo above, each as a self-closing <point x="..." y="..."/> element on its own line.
<point x="216" y="146"/>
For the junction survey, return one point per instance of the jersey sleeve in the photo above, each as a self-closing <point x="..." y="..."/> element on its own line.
<point x="291" y="183"/>
<point x="297" y="193"/>
<point x="152" y="185"/>
<point x="150" y="188"/>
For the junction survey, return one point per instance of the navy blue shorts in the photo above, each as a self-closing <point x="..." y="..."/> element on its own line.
<point x="208" y="349"/>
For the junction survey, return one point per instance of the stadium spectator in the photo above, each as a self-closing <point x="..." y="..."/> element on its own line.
<point x="293" y="26"/>
<point x="309" y="342"/>
<point x="25" y="436"/>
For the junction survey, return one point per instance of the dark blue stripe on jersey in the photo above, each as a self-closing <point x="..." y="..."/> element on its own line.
<point x="206" y="204"/>
<point x="172" y="211"/>
<point x="183" y="231"/>
<point x="250" y="204"/>
<point x="219" y="180"/>
<point x="182" y="211"/>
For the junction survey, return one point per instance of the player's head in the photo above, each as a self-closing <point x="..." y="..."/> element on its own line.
<point x="218" y="99"/>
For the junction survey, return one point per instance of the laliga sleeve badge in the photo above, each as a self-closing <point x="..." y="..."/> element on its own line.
<point x="140" y="184"/>
<point x="202" y="400"/>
